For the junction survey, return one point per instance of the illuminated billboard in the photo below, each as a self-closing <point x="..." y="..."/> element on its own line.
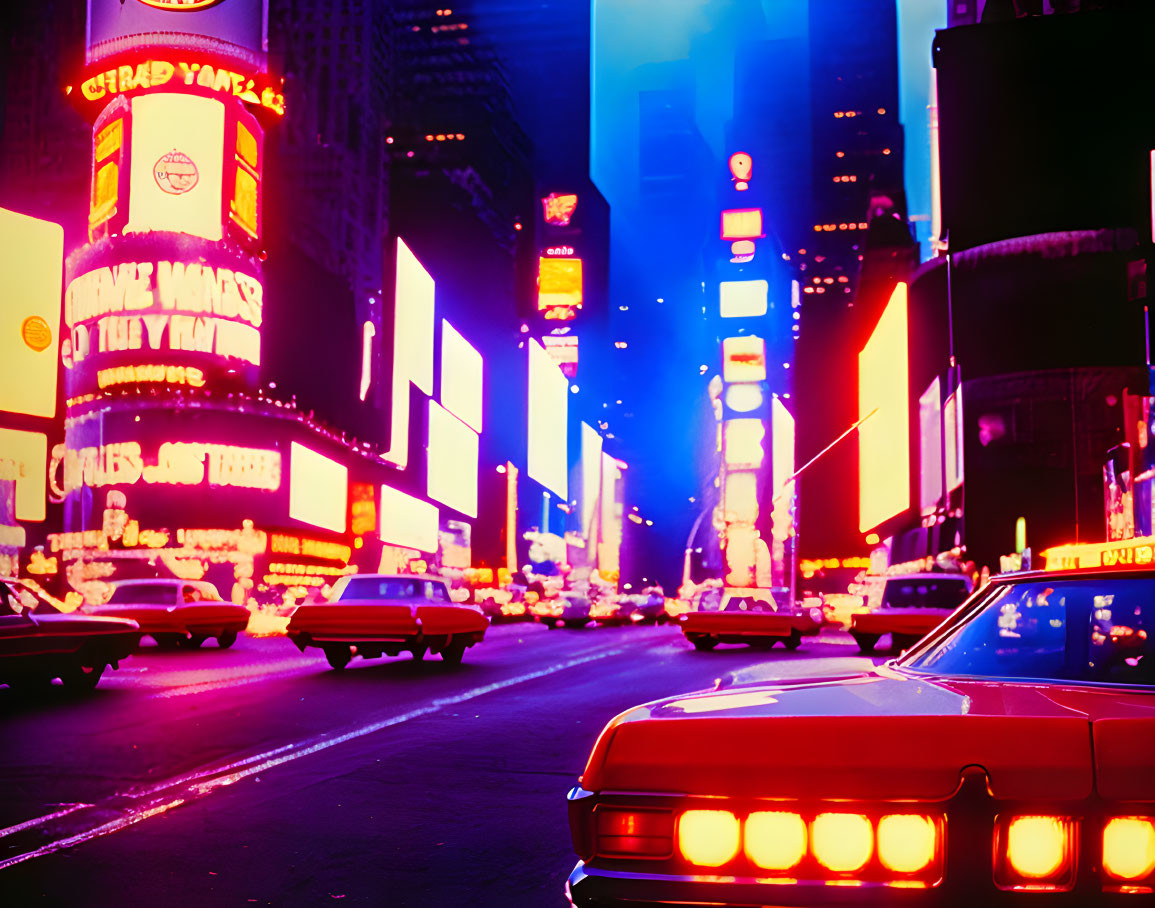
<point x="930" y="450"/>
<point x="558" y="209"/>
<point x="453" y="457"/>
<point x="884" y="438"/>
<point x="591" y="474"/>
<point x="559" y="286"/>
<point x="236" y="25"/>
<point x="188" y="71"/>
<point x="742" y="224"/>
<point x="564" y="350"/>
<point x="546" y="459"/>
<point x="108" y="203"/>
<point x="318" y="489"/>
<point x="742" y="443"/>
<point x="408" y="521"/>
<point x="412" y="347"/>
<point x="143" y="320"/>
<point x="744" y="359"/>
<point x="178" y="169"/>
<point x="462" y="377"/>
<point x="24" y="457"/>
<point x="31" y="260"/>
<point x="743" y="299"/>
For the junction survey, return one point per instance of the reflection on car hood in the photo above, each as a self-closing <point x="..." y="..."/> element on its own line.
<point x="882" y="734"/>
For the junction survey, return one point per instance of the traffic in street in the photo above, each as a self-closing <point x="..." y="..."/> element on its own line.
<point x="259" y="775"/>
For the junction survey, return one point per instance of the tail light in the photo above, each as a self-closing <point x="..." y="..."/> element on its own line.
<point x="774" y="840"/>
<point x="634" y="833"/>
<point x="1035" y="852"/>
<point x="842" y="842"/>
<point x="708" y="838"/>
<point x="908" y="843"/>
<point x="1129" y="851"/>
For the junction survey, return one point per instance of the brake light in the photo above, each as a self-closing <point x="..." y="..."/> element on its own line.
<point x="1129" y="848"/>
<point x="775" y="841"/>
<point x="842" y="842"/>
<point x="907" y="843"/>
<point x="708" y="837"/>
<point x="1036" y="852"/>
<point x="634" y="833"/>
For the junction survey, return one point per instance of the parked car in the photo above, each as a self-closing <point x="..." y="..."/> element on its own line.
<point x="750" y="616"/>
<point x="912" y="605"/>
<point x="176" y="612"/>
<point x="1007" y="759"/>
<point x="39" y="642"/>
<point x="371" y="615"/>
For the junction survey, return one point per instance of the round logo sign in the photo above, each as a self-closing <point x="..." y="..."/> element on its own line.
<point x="179" y="6"/>
<point x="175" y="173"/>
<point x="36" y="333"/>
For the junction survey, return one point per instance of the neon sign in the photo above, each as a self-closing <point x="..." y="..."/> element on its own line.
<point x="176" y="463"/>
<point x="167" y="286"/>
<point x="107" y="151"/>
<point x="742" y="224"/>
<point x="741" y="167"/>
<point x="559" y="284"/>
<point x="285" y="544"/>
<point x="560" y="250"/>
<point x="151" y="374"/>
<point x="180" y="6"/>
<point x="558" y="209"/>
<point x="127" y="78"/>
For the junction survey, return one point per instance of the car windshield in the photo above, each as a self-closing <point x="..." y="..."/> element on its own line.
<point x="1089" y="630"/>
<point x="143" y="594"/>
<point x="924" y="592"/>
<point x="392" y="588"/>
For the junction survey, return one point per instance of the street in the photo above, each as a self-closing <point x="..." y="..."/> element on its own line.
<point x="257" y="775"/>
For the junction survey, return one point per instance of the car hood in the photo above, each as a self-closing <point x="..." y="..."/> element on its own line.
<point x="886" y="734"/>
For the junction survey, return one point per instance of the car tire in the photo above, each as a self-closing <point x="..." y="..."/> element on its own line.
<point x="704" y="644"/>
<point x="81" y="678"/>
<point x="866" y="642"/>
<point x="453" y="654"/>
<point x="338" y="655"/>
<point x="193" y="641"/>
<point x="227" y="639"/>
<point x="793" y="641"/>
<point x="419" y="653"/>
<point x="575" y="623"/>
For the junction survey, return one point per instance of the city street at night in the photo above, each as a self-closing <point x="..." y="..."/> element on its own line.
<point x="258" y="775"/>
<point x="604" y="453"/>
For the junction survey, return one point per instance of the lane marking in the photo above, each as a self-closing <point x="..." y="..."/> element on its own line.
<point x="29" y="824"/>
<point x="203" y="782"/>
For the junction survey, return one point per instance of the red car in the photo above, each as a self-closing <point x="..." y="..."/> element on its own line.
<point x="38" y="642"/>
<point x="750" y="616"/>
<point x="370" y="615"/>
<point x="176" y="612"/>
<point x="912" y="606"/>
<point x="1007" y="759"/>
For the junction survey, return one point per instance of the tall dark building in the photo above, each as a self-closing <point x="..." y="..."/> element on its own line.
<point x="858" y="246"/>
<point x="44" y="145"/>
<point x="337" y="59"/>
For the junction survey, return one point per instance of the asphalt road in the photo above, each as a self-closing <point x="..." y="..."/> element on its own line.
<point x="257" y="775"/>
